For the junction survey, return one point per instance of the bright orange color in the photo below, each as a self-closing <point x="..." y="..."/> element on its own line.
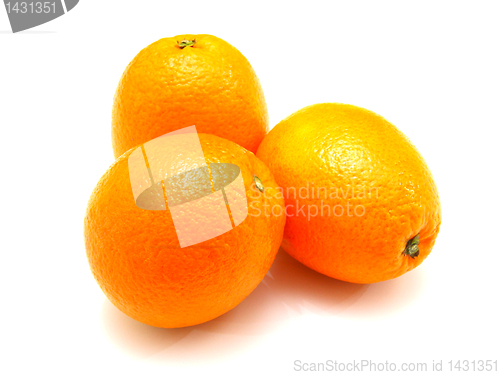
<point x="358" y="160"/>
<point x="209" y="84"/>
<point x="136" y="258"/>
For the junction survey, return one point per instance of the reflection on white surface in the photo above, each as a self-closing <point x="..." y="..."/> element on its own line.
<point x="289" y="291"/>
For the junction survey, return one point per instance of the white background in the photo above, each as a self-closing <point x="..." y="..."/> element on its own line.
<point x="431" y="68"/>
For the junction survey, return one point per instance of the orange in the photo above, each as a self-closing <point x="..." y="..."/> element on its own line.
<point x="136" y="258"/>
<point x="361" y="203"/>
<point x="189" y="80"/>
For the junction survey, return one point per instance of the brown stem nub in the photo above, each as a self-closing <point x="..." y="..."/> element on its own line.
<point x="411" y="248"/>
<point x="186" y="43"/>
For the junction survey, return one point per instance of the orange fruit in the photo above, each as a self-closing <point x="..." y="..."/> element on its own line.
<point x="137" y="260"/>
<point x="360" y="201"/>
<point x="189" y="80"/>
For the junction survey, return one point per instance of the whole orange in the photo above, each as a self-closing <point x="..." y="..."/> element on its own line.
<point x="361" y="202"/>
<point x="189" y="80"/>
<point x="136" y="258"/>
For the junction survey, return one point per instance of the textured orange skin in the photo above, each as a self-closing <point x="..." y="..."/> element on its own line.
<point x="210" y="85"/>
<point x="136" y="258"/>
<point x="343" y="146"/>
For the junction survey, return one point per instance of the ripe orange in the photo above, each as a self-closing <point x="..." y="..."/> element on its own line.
<point x="136" y="258"/>
<point x="189" y="80"/>
<point x="361" y="202"/>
